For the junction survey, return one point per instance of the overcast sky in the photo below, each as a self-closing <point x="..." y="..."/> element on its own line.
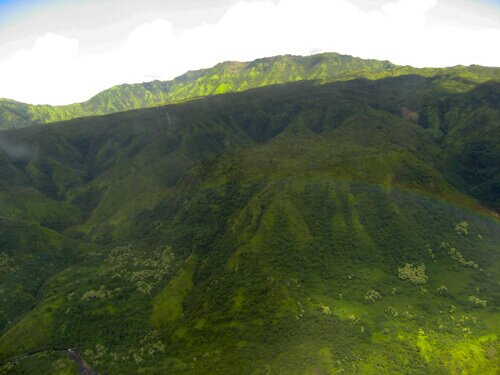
<point x="65" y="51"/>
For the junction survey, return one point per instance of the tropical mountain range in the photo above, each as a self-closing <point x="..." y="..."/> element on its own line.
<point x="232" y="77"/>
<point x="319" y="215"/>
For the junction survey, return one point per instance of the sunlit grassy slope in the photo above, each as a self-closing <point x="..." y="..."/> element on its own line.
<point x="348" y="227"/>
<point x="237" y="76"/>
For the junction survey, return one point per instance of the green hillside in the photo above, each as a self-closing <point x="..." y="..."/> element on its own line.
<point x="343" y="228"/>
<point x="236" y="76"/>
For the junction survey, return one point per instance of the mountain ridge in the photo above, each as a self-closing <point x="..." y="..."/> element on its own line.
<point x="231" y="76"/>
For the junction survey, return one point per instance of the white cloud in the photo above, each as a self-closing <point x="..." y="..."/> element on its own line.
<point x="30" y="73"/>
<point x="55" y="70"/>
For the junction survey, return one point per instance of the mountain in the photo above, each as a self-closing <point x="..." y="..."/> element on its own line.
<point x="349" y="227"/>
<point x="235" y="76"/>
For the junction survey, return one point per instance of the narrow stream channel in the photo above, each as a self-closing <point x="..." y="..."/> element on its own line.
<point x="83" y="366"/>
<point x="73" y="354"/>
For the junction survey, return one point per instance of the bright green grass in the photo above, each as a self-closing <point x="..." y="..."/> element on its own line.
<point x="167" y="306"/>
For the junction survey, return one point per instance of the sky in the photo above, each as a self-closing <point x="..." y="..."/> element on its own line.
<point x="65" y="51"/>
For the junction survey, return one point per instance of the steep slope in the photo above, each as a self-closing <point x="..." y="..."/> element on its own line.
<point x="472" y="140"/>
<point x="298" y="228"/>
<point x="236" y="76"/>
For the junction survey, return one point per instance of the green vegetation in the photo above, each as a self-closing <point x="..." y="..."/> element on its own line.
<point x="56" y="363"/>
<point x="415" y="275"/>
<point x="167" y="306"/>
<point x="349" y="227"/>
<point x="234" y="76"/>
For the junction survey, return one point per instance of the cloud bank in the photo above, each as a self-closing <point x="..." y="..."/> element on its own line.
<point x="57" y="70"/>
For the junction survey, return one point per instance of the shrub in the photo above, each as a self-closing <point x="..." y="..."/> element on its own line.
<point x="442" y="290"/>
<point x="95" y="294"/>
<point x="455" y="254"/>
<point x="462" y="228"/>
<point x="372" y="295"/>
<point x="430" y="252"/>
<point x="325" y="309"/>
<point x="477" y="301"/>
<point x="415" y="275"/>
<point x="7" y="264"/>
<point x="392" y="311"/>
<point x="142" y="269"/>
